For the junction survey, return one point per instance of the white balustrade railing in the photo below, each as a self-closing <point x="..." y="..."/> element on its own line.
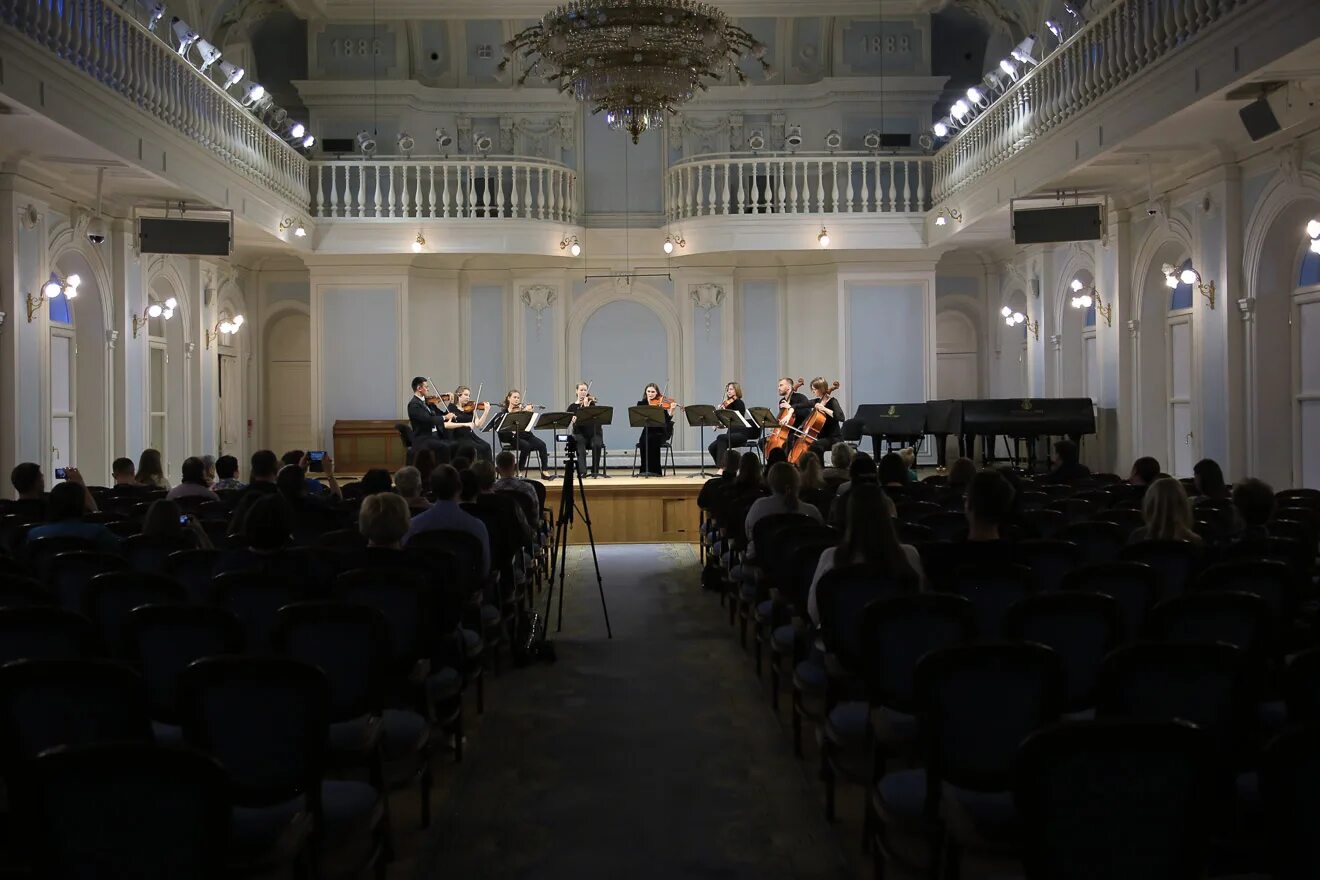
<point x="797" y="183"/>
<point x="444" y="188"/>
<point x="107" y="44"/>
<point x="1123" y="40"/>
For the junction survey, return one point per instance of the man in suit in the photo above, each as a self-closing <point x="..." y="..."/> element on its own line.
<point x="428" y="421"/>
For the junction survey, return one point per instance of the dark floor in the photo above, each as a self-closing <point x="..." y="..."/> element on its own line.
<point x="651" y="755"/>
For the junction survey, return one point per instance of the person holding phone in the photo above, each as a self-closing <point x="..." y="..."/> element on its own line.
<point x="66" y="506"/>
<point x="167" y="523"/>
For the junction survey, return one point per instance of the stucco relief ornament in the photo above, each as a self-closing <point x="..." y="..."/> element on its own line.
<point x="1289" y="157"/>
<point x="539" y="298"/>
<point x="111" y="338"/>
<point x="707" y="297"/>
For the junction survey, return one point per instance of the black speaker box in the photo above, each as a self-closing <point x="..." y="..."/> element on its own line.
<point x="172" y="235"/>
<point x="895" y="140"/>
<point x="337" y="145"/>
<point x="1046" y="225"/>
<point x="1259" y="119"/>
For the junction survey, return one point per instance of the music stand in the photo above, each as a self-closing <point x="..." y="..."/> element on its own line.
<point x="731" y="418"/>
<point x="596" y="417"/>
<point x="515" y="422"/>
<point x="763" y="418"/>
<point x="647" y="416"/>
<point x="555" y="421"/>
<point x="703" y="416"/>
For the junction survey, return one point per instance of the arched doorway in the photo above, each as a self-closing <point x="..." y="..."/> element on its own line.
<point x="957" y="375"/>
<point x="80" y="413"/>
<point x="1166" y="417"/>
<point x="288" y="392"/>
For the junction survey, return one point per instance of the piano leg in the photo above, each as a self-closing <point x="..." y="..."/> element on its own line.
<point x="941" y="454"/>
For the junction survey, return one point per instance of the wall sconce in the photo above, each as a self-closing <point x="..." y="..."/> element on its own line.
<point x="1084" y="298"/>
<point x="946" y="214"/>
<point x="225" y="326"/>
<point x="51" y="289"/>
<point x="570" y="243"/>
<point x="1012" y="319"/>
<point x="155" y="310"/>
<point x="671" y="243"/>
<point x="418" y="243"/>
<point x="823" y="237"/>
<point x="1173" y="277"/>
<point x="298" y="229"/>
<point x="1313" y="230"/>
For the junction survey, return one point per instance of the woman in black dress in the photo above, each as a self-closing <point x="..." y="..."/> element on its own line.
<point x="585" y="438"/>
<point x="734" y="436"/>
<point x="524" y="441"/>
<point x="467" y="422"/>
<point x="653" y="438"/>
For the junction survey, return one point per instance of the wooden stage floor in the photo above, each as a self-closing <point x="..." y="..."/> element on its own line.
<point x="635" y="510"/>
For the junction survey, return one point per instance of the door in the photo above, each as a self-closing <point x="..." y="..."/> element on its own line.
<point x="231" y="412"/>
<point x="1307" y="470"/>
<point x="955" y="364"/>
<point x="62" y="398"/>
<point x="288" y="384"/>
<point x="1182" y="439"/>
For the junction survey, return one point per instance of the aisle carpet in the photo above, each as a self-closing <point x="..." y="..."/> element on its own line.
<point x="653" y="755"/>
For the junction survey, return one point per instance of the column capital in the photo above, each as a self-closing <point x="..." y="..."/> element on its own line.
<point x="1056" y="340"/>
<point x="111" y="339"/>
<point x="1247" y="307"/>
<point x="188" y="349"/>
<point x="1134" y="328"/>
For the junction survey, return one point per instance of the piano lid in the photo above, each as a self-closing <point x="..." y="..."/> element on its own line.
<point x="1030" y="416"/>
<point x="944" y="416"/>
<point x="892" y="419"/>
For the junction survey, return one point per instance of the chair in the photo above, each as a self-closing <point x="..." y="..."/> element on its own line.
<point x="803" y="554"/>
<point x="914" y="533"/>
<point x="1129" y="519"/>
<point x="1133" y="584"/>
<point x="1115" y="800"/>
<point x="69" y="573"/>
<point x="1238" y="619"/>
<point x="42" y="632"/>
<point x="1045" y="522"/>
<point x="124" y="810"/>
<point x="992" y="589"/>
<point x="946" y="525"/>
<point x="1289" y="782"/>
<point x="19" y="591"/>
<point x="342" y="538"/>
<point x="1050" y="561"/>
<point x="666" y="458"/>
<point x="1081" y="627"/>
<point x="1301" y="685"/>
<point x="1300" y="497"/>
<point x="1270" y="579"/>
<point x="1295" y="554"/>
<point x="255" y="599"/>
<point x="149" y="555"/>
<point x="111" y="596"/>
<point x="267" y="720"/>
<point x="1174" y="561"/>
<point x="1099" y="541"/>
<point x="40" y="552"/>
<point x="193" y="569"/>
<point x="405" y="437"/>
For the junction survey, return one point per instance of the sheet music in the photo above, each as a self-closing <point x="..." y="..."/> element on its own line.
<point x="531" y="426"/>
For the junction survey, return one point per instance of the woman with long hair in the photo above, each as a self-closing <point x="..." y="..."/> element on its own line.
<point x="894" y="471"/>
<point x="815" y="491"/>
<point x="1167" y="512"/>
<point x="585" y="436"/>
<point x="653" y="439"/>
<point x="1209" y="478"/>
<point x="524" y="441"/>
<point x="150" y="470"/>
<point x="869" y="538"/>
<point x="466" y="423"/>
<point x="734" y="437"/>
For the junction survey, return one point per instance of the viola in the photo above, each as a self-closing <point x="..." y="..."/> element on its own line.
<point x="783" y="436"/>
<point x="473" y="405"/>
<point x="811" y="429"/>
<point x="440" y="400"/>
<point x="666" y="402"/>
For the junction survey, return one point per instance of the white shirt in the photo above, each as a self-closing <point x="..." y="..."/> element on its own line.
<point x="827" y="563"/>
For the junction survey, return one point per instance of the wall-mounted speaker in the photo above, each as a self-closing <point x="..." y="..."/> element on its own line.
<point x="175" y="235"/>
<point x="1048" y="225"/>
<point x="337" y="145"/>
<point x="1258" y="118"/>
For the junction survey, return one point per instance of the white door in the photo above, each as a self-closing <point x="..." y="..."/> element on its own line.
<point x="1307" y="472"/>
<point x="231" y="413"/>
<point x="158" y="378"/>
<point x="956" y="376"/>
<point x="288" y="384"/>
<point x="63" y="392"/>
<point x="1182" y="440"/>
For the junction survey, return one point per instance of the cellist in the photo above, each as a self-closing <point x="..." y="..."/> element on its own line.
<point x="790" y="403"/>
<point x="827" y="406"/>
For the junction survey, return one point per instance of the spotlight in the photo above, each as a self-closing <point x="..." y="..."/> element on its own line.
<point x="252" y="93"/>
<point x="210" y="54"/>
<point x="482" y="143"/>
<point x="756" y="141"/>
<point x="941" y="128"/>
<point x="297" y="130"/>
<point x="1313" y="229"/>
<point x="833" y="140"/>
<point x="994" y="82"/>
<point x="1073" y="10"/>
<point x="309" y="141"/>
<point x="418" y="243"/>
<point x="443" y="140"/>
<point x="231" y="72"/>
<point x="154" y="310"/>
<point x="366" y="143"/>
<point x="959" y="110"/>
<point x="793" y="139"/>
<point x="406" y="143"/>
<point x="184" y="34"/>
<point x="824" y="237"/>
<point x="1009" y="68"/>
<point x="977" y="97"/>
<point x="1022" y="52"/>
<point x="871" y="140"/>
<point x="1055" y="29"/>
<point x="155" y="12"/>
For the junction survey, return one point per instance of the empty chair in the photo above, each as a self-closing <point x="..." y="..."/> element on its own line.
<point x="147" y="553"/>
<point x="1294" y="553"/>
<point x="68" y="574"/>
<point x="993" y="588"/>
<point x="1129" y="519"/>
<point x="193" y="569"/>
<point x="1300" y="497"/>
<point x="1133" y="584"/>
<point x="1175" y="561"/>
<point x="914" y="533"/>
<point x="946" y="525"/>
<point x="1115" y="800"/>
<point x="1098" y="541"/>
<point x="20" y="591"/>
<point x="45" y="633"/>
<point x="1046" y="523"/>
<point x="39" y="553"/>
<point x="1270" y="579"/>
<point x="110" y="597"/>
<point x="1081" y="627"/>
<point x="1290" y="787"/>
<point x="1050" y="561"/>
<point x="254" y="599"/>
<point x="124" y="810"/>
<point x="1238" y="619"/>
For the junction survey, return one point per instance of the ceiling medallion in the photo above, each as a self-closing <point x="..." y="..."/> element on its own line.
<point x="634" y="60"/>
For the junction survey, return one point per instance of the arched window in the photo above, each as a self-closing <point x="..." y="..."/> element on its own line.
<point x="1309" y="274"/>
<point x="63" y="382"/>
<point x="1181" y="296"/>
<point x="1179" y="378"/>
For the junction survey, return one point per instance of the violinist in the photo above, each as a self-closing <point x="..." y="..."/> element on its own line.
<point x="588" y="437"/>
<point x="828" y="406"/>
<point x="736" y="436"/>
<point x="652" y="439"/>
<point x="469" y="416"/>
<point x="524" y="441"/>
<point x="427" y="420"/>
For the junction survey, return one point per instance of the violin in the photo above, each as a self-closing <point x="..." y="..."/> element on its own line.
<point x="812" y="428"/>
<point x="440" y="400"/>
<point x="473" y="405"/>
<point x="666" y="402"/>
<point x="783" y="435"/>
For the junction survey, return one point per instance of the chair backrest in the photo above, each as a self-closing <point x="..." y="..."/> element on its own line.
<point x="1129" y="519"/>
<point x="1047" y="523"/>
<point x="1133" y="584"/>
<point x="163" y="639"/>
<point x="265" y="719"/>
<point x="1099" y="541"/>
<point x="48" y="703"/>
<point x="1301" y="685"/>
<point x="978" y="702"/>
<point x="405" y="435"/>
<point x="1049" y="560"/>
<point x="255" y="599"/>
<point x="1294" y="553"/>
<point x="125" y="810"/>
<point x="111" y="596"/>
<point x="993" y="588"/>
<point x="350" y="643"/>
<point x="1115" y="800"/>
<point x="1238" y="619"/>
<point x="913" y="511"/>
<point x="1205" y="683"/>
<point x="68" y="574"/>
<point x="149" y="554"/>
<point x="898" y="631"/>
<point x="768" y="531"/>
<point x="193" y="569"/>
<point x="1290" y="788"/>
<point x="402" y="596"/>
<point x="948" y="525"/>
<point x="1270" y="579"/>
<point x="45" y="633"/>
<point x="41" y="552"/>
<point x="20" y="591"/>
<point x="463" y="547"/>
<point x="1175" y="561"/>
<point x="784" y="557"/>
<point x="841" y="596"/>
<point x="1081" y="627"/>
<point x="914" y="533"/>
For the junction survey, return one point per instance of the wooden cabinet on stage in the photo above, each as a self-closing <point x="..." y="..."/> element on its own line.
<point x="362" y="444"/>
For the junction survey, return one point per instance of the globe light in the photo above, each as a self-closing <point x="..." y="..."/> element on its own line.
<point x="1313" y="229"/>
<point x="238" y="321"/>
<point x="1076" y="284"/>
<point x="1009" y="321"/>
<point x="823" y="237"/>
<point x="167" y="314"/>
<point x="52" y="289"/>
<point x="1315" y="245"/>
<point x="1006" y="312"/>
<point x="154" y="310"/>
<point x="1019" y="318"/>
<point x="73" y="281"/>
<point x="575" y="249"/>
<point x="171" y="303"/>
<point x="1190" y="276"/>
<point x="668" y="245"/>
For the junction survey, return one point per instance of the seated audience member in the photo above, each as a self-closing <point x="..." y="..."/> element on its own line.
<point x="988" y="504"/>
<point x="784" y="483"/>
<point x="30" y="488"/>
<point x="408" y="483"/>
<point x="1167" y="512"/>
<point x="718" y="483"/>
<point x="869" y="538"/>
<point x="299" y="457"/>
<point x="374" y="481"/>
<point x="1209" y="479"/>
<point x="263" y="469"/>
<point x="1254" y="500"/>
<point x="1067" y="468"/>
<point x="814" y="490"/>
<point x="425" y="461"/>
<point x="226" y="472"/>
<point x="150" y="471"/>
<point x="291" y="482"/>
<point x="893" y="471"/>
<point x="862" y="470"/>
<point x="841" y="458"/>
<point x="517" y="527"/>
<point x="470" y="489"/>
<point x="124" y="476"/>
<point x="446" y="514"/>
<point x="1145" y="471"/>
<point x="960" y="475"/>
<point x="65" y="507"/>
<point x="193" y="484"/>
<point x="267" y="530"/>
<point x="208" y="470"/>
<point x="166" y="522"/>
<point x="775" y="457"/>
<point x="462" y="462"/>
<point x="383" y="519"/>
<point x="506" y="470"/>
<point x="909" y="456"/>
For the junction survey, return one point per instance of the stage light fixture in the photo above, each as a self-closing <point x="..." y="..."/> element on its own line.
<point x="871" y="140"/>
<point x="366" y="143"/>
<point x="793" y="139"/>
<point x="1313" y="229"/>
<point x="1022" y="51"/>
<point x="941" y="128"/>
<point x="1054" y="28"/>
<point x="978" y="98"/>
<point x="443" y="140"/>
<point x="960" y="110"/>
<point x="297" y="130"/>
<point x="155" y="12"/>
<point x="252" y="93"/>
<point x="210" y="54"/>
<point x="482" y="143"/>
<point x="184" y="34"/>
<point x="1009" y="67"/>
<point x="833" y="140"/>
<point x="756" y="141"/>
<point x="406" y="143"/>
<point x="232" y="74"/>
<point x="309" y="142"/>
<point x="1006" y="312"/>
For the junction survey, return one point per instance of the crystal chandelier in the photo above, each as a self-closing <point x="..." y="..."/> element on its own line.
<point x="634" y="60"/>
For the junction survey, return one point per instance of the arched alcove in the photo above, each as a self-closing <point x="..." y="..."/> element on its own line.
<point x="1165" y="418"/>
<point x="165" y="374"/>
<point x="80" y="388"/>
<point x="624" y="346"/>
<point x="1076" y="356"/>
<point x="231" y="381"/>
<point x="288" y="376"/>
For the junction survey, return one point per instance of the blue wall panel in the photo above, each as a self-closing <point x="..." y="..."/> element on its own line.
<point x="760" y="367"/>
<point x="363" y="387"/>
<point x="886" y="363"/>
<point x="707" y="380"/>
<point x="624" y="346"/>
<point x="540" y="360"/>
<point x="486" y="343"/>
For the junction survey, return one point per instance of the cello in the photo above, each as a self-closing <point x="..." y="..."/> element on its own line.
<point x="812" y="428"/>
<point x="782" y="436"/>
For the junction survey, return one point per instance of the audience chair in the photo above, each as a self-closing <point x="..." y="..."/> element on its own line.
<point x="1238" y="619"/>
<point x="789" y="637"/>
<point x="1174" y="561"/>
<point x="193" y="569"/>
<point x="1290" y="787"/>
<point x="1115" y="800"/>
<point x="1045" y="522"/>
<point x="20" y="591"/>
<point x="1099" y="541"/>
<point x="1049" y="561"/>
<point x="41" y="632"/>
<point x="150" y="555"/>
<point x="110" y="597"/>
<point x="1081" y="627"/>
<point x="255" y="599"/>
<point x="1270" y="579"/>
<point x="1133" y="584"/>
<point x="947" y="525"/>
<point x="992" y="589"/>
<point x="69" y="574"/>
<point x="40" y="553"/>
<point x="1130" y="520"/>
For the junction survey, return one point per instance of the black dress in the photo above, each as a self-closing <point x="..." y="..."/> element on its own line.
<point x="469" y="442"/>
<point x="734" y="437"/>
<point x="651" y="440"/>
<point x="525" y="442"/>
<point x="831" y="433"/>
<point x="585" y="438"/>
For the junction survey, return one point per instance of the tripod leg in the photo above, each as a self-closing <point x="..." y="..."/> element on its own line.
<point x="600" y="584"/>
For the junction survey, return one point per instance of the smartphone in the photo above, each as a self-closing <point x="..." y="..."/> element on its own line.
<point x="184" y="520"/>
<point x="316" y="460"/>
<point x="60" y="472"/>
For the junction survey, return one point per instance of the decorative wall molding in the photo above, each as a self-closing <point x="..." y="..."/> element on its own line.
<point x="188" y="349"/>
<point x="1247" y="308"/>
<point x="111" y="339"/>
<point x="1134" y="328"/>
<point x="539" y="298"/>
<point x="29" y="216"/>
<point x="707" y="297"/>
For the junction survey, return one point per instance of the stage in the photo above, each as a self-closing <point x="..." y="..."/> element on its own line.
<point x="635" y="510"/>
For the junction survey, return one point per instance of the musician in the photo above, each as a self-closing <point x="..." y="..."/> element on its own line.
<point x="428" y="421"/>
<point x="653" y="438"/>
<point x="585" y="437"/>
<point x="736" y="436"/>
<point x="524" y="441"/>
<point x="468" y="422"/>
<point x="832" y="432"/>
